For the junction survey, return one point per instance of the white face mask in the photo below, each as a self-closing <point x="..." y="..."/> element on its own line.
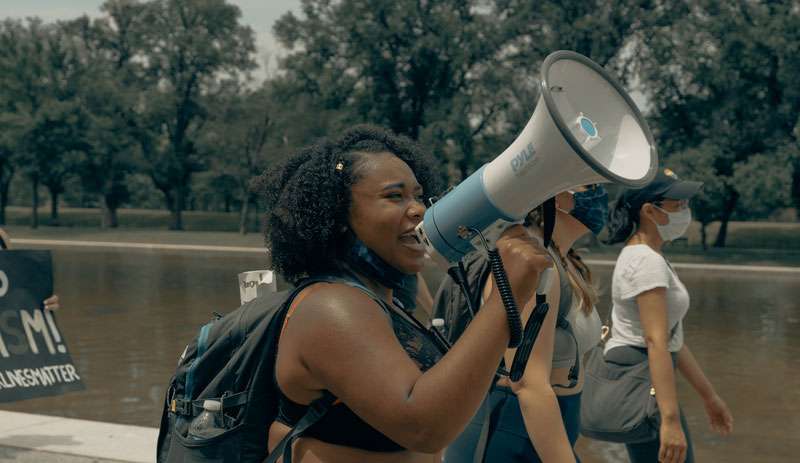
<point x="677" y="225"/>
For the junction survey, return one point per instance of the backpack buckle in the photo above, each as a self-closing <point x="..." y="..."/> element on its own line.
<point x="181" y="407"/>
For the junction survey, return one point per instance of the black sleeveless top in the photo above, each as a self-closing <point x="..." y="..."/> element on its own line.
<point x="340" y="425"/>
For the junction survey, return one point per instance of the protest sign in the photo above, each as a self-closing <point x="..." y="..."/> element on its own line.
<point x="34" y="359"/>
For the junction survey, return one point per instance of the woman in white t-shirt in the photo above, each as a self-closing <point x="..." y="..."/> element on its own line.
<point x="649" y="304"/>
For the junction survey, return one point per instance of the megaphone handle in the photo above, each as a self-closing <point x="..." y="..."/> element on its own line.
<point x="532" y="329"/>
<point x="504" y="288"/>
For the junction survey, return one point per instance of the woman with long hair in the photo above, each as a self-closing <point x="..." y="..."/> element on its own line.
<point x="649" y="305"/>
<point x="538" y="417"/>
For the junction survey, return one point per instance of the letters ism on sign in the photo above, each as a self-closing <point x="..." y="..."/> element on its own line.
<point x="20" y="337"/>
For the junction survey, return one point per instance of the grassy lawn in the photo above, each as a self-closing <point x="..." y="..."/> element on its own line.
<point x="758" y="243"/>
<point x="70" y="217"/>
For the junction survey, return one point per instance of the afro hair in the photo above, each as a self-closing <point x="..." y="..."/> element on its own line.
<point x="308" y="197"/>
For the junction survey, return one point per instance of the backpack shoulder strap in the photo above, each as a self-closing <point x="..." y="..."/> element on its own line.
<point x="316" y="410"/>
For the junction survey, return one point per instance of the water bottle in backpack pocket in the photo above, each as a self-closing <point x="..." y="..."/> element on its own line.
<point x="209" y="423"/>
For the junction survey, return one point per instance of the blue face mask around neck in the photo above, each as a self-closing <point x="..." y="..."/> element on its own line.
<point x="365" y="261"/>
<point x="591" y="208"/>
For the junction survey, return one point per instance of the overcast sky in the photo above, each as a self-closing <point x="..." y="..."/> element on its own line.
<point x="258" y="14"/>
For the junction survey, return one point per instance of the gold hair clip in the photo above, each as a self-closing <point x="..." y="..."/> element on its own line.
<point x="339" y="167"/>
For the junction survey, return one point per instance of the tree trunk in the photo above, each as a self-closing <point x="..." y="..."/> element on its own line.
<point x="4" y="200"/>
<point x="704" y="236"/>
<point x="244" y="213"/>
<point x="176" y="216"/>
<point x="796" y="188"/>
<point x="108" y="213"/>
<point x="53" y="207"/>
<point x="35" y="206"/>
<point x="730" y="204"/>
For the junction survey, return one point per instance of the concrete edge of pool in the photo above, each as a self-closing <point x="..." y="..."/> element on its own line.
<point x="26" y="437"/>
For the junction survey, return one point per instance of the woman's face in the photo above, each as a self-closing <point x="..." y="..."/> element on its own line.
<point x="659" y="215"/>
<point x="386" y="207"/>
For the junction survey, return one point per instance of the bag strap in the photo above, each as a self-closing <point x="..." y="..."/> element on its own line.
<point x="549" y="209"/>
<point x="202" y="346"/>
<point x="316" y="410"/>
<point x="574" y="370"/>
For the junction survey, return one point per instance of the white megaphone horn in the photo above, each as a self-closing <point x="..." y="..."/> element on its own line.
<point x="585" y="130"/>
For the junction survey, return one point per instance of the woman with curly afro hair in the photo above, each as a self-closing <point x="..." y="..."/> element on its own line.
<point x="348" y="208"/>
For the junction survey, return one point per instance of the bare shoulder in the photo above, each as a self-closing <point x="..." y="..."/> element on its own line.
<point x="334" y="306"/>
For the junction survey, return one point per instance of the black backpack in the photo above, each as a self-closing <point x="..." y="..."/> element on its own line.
<point x="232" y="360"/>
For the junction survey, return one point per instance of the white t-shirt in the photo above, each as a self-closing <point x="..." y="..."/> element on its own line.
<point x="638" y="269"/>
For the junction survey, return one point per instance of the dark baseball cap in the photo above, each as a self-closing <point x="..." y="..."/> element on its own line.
<point x="665" y="185"/>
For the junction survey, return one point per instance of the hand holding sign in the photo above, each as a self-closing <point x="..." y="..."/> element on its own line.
<point x="34" y="359"/>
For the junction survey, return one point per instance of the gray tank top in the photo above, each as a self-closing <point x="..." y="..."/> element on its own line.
<point x="564" y="349"/>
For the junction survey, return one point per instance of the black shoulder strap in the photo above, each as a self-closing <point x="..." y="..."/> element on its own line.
<point x="316" y="410"/>
<point x="549" y="208"/>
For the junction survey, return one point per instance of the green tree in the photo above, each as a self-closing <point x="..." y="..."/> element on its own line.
<point x="697" y="164"/>
<point x="111" y="92"/>
<point x="460" y="76"/>
<point x="239" y="133"/>
<point x="713" y="78"/>
<point x="412" y="66"/>
<point x="7" y="171"/>
<point x="21" y="91"/>
<point x="186" y="45"/>
<point x="785" y="40"/>
<point x="44" y="118"/>
<point x="603" y="30"/>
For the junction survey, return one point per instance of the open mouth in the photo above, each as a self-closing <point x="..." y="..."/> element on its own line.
<point x="410" y="240"/>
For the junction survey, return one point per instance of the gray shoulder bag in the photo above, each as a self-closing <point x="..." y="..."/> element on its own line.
<point x="618" y="403"/>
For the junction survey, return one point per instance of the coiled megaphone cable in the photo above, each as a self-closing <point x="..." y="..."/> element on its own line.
<point x="536" y="319"/>
<point x="504" y="288"/>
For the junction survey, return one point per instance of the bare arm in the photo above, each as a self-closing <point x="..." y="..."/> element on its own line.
<point x="356" y="355"/>
<point x="690" y="370"/>
<point x="653" y="314"/>
<point x="537" y="399"/>
<point x="719" y="416"/>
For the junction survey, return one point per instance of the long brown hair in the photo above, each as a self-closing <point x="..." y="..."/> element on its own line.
<point x="580" y="276"/>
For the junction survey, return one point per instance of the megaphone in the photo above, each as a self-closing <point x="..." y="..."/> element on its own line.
<point x="585" y="130"/>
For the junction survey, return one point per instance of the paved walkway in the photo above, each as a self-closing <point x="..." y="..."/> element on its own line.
<point x="32" y="438"/>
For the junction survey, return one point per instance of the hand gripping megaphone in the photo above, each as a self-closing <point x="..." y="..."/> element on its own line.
<point x="585" y="130"/>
